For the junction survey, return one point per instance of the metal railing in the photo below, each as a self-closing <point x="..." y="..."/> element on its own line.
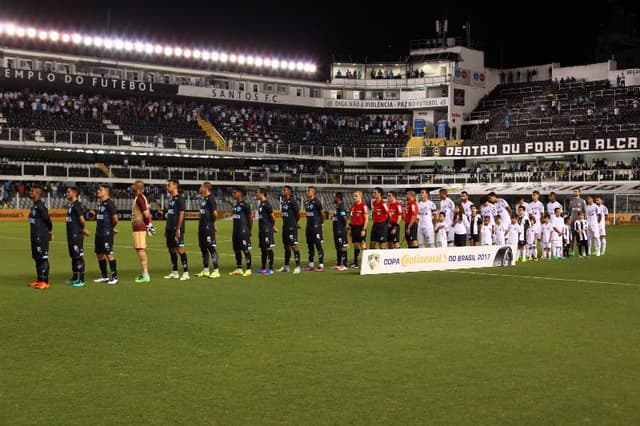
<point x="88" y="173"/>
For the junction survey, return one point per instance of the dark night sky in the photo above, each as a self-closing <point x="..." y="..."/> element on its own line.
<point x="554" y="32"/>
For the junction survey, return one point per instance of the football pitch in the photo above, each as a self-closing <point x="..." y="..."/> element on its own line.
<point x="548" y="342"/>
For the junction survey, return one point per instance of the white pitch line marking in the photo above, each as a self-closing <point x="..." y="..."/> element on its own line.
<point x="533" y="277"/>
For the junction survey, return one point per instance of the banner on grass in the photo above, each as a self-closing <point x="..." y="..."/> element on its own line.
<point x="435" y="259"/>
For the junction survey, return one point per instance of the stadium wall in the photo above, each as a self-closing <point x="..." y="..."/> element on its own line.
<point x="591" y="72"/>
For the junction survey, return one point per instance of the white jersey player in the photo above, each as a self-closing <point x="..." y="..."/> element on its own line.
<point x="426" y="210"/>
<point x="512" y="232"/>
<point x="447" y="207"/>
<point x="603" y="225"/>
<point x="545" y="236"/>
<point x="486" y="232"/>
<point x="499" y="232"/>
<point x="533" y="235"/>
<point x="594" y="216"/>
<point x="557" y="222"/>
<point x="553" y="204"/>
<point x="465" y="203"/>
<point x="502" y="207"/>
<point x="442" y="230"/>
<point x="489" y="210"/>
<point x="535" y="207"/>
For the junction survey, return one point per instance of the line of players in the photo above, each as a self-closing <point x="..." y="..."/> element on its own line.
<point x="425" y="226"/>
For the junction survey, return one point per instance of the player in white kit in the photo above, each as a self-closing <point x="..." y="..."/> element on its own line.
<point x="426" y="210"/>
<point x="447" y="207"/>
<point x="533" y="235"/>
<point x="502" y="207"/>
<point x="557" y="221"/>
<point x="486" y="232"/>
<point x="466" y="203"/>
<point x="603" y="225"/>
<point x="545" y="236"/>
<point x="499" y="232"/>
<point x="535" y="207"/>
<point x="442" y="230"/>
<point x="512" y="231"/>
<point x="593" y="215"/>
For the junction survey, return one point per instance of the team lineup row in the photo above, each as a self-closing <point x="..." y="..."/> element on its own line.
<point x="425" y="226"/>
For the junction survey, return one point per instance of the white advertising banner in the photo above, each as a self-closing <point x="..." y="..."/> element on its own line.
<point x="273" y="98"/>
<point x="435" y="259"/>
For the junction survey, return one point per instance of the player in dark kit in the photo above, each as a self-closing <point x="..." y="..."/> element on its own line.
<point x="207" y="232"/>
<point x="41" y="234"/>
<point x="315" y="218"/>
<point x="290" y="216"/>
<point x="266" y="228"/>
<point x="241" y="237"/>
<point x="339" y="219"/>
<point x="76" y="232"/>
<point x="174" y="232"/>
<point x="106" y="221"/>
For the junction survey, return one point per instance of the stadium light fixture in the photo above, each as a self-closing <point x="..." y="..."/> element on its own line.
<point x="10" y="29"/>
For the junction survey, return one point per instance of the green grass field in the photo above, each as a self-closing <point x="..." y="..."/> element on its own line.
<point x="555" y="342"/>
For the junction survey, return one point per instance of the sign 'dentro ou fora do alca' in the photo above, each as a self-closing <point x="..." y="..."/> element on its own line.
<point x="541" y="147"/>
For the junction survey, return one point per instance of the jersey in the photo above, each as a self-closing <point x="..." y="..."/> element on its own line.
<point x="339" y="218"/>
<point x="552" y="206"/>
<point x="581" y="227"/>
<point x="313" y="209"/>
<point x="380" y="212"/>
<point x="557" y="224"/>
<point x="502" y="209"/>
<point x="290" y="213"/>
<point x="411" y="212"/>
<point x="466" y="207"/>
<point x="536" y="208"/>
<point x="442" y="231"/>
<point x="138" y="220"/>
<point x="500" y="231"/>
<point x="426" y="209"/>
<point x="265" y="212"/>
<point x="395" y="212"/>
<point x="448" y="208"/>
<point x="207" y="213"/>
<point x="176" y="205"/>
<point x="486" y="234"/>
<point x="39" y="221"/>
<point x="523" y="227"/>
<point x="241" y="214"/>
<point x="74" y="213"/>
<point x="512" y="234"/>
<point x="103" y="219"/>
<point x="489" y="210"/>
<point x="546" y="233"/>
<point x="533" y="233"/>
<point x="576" y="206"/>
<point x="358" y="213"/>
<point x="592" y="212"/>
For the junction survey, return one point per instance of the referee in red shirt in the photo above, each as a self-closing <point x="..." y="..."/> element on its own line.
<point x="380" y="215"/>
<point x="395" y="214"/>
<point x="358" y="226"/>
